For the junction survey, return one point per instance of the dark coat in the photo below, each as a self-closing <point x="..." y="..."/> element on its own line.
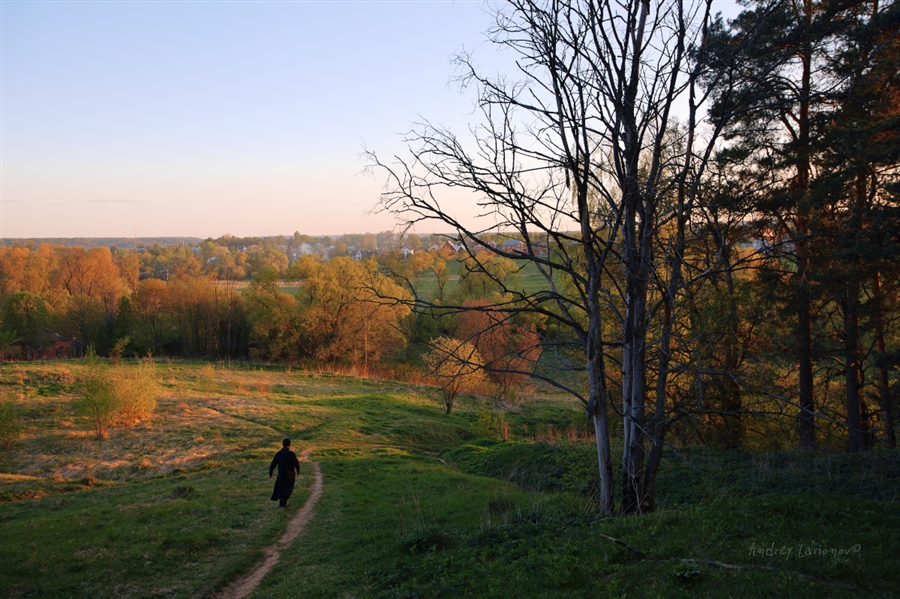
<point x="288" y="467"/>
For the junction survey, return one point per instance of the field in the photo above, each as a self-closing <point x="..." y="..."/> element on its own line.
<point x="481" y="503"/>
<point x="527" y="279"/>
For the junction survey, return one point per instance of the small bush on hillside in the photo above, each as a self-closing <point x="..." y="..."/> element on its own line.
<point x="99" y="401"/>
<point x="116" y="396"/>
<point x="118" y="348"/>
<point x="10" y="428"/>
<point x="492" y="423"/>
<point x="137" y="390"/>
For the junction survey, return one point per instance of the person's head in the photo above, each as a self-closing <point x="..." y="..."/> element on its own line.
<point x="286" y="442"/>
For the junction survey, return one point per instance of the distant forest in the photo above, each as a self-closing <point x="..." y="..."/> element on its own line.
<point x="295" y="298"/>
<point x="110" y="242"/>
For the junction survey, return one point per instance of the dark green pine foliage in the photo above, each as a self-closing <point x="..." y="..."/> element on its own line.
<point x="859" y="157"/>
<point x="811" y="71"/>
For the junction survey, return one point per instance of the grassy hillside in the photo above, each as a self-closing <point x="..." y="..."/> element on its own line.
<point x="416" y="503"/>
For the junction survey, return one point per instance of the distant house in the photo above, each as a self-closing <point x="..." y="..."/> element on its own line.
<point x="488" y="245"/>
<point x="53" y="347"/>
<point x="58" y="347"/>
<point x="515" y="246"/>
<point x="407" y="251"/>
<point x="451" y="248"/>
<point x="358" y="255"/>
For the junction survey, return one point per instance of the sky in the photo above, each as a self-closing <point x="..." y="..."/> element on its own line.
<point x="186" y="118"/>
<point x="147" y="118"/>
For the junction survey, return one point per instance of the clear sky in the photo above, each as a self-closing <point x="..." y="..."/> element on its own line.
<point x="187" y="118"/>
<point x="204" y="117"/>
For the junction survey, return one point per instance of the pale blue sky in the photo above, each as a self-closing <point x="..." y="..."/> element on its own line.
<point x="200" y="118"/>
<point x="205" y="118"/>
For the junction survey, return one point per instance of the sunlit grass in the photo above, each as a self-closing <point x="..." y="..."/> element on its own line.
<point x="416" y="503"/>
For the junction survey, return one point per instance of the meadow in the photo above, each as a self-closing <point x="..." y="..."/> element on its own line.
<point x="527" y="278"/>
<point x="489" y="501"/>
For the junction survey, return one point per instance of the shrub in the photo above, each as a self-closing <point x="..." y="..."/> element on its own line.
<point x="137" y="390"/>
<point x="118" y="348"/>
<point x="492" y="423"/>
<point x="117" y="396"/>
<point x="99" y="400"/>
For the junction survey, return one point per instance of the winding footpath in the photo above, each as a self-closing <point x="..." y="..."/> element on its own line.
<point x="246" y="584"/>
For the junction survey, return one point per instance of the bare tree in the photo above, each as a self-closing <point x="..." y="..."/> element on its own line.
<point x="593" y="154"/>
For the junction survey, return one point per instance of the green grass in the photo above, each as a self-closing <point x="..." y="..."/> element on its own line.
<point x="415" y="504"/>
<point x="527" y="280"/>
<point x="177" y="536"/>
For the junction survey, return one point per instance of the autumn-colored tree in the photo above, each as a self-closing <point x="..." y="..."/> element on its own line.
<point x="151" y="308"/>
<point x="410" y="272"/>
<point x="25" y="269"/>
<point x="193" y="306"/>
<point x="456" y="367"/>
<point x="275" y="327"/>
<point x="233" y="327"/>
<point x="344" y="313"/>
<point x="129" y="264"/>
<point x="340" y="249"/>
<point x="510" y="350"/>
<point x="413" y="242"/>
<point x="92" y="283"/>
<point x="266" y="259"/>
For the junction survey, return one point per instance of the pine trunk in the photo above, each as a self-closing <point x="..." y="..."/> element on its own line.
<point x="885" y="401"/>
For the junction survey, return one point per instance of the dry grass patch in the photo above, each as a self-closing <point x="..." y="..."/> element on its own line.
<point x="183" y="434"/>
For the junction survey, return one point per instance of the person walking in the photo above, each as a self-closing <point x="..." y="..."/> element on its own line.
<point x="288" y="468"/>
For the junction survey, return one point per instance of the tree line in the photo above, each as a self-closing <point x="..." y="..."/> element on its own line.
<point x="335" y="312"/>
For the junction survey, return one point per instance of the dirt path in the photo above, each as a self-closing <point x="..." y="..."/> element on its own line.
<point x="246" y="584"/>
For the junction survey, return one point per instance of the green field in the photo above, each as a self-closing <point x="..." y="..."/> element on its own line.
<point x="481" y="503"/>
<point x="527" y="279"/>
